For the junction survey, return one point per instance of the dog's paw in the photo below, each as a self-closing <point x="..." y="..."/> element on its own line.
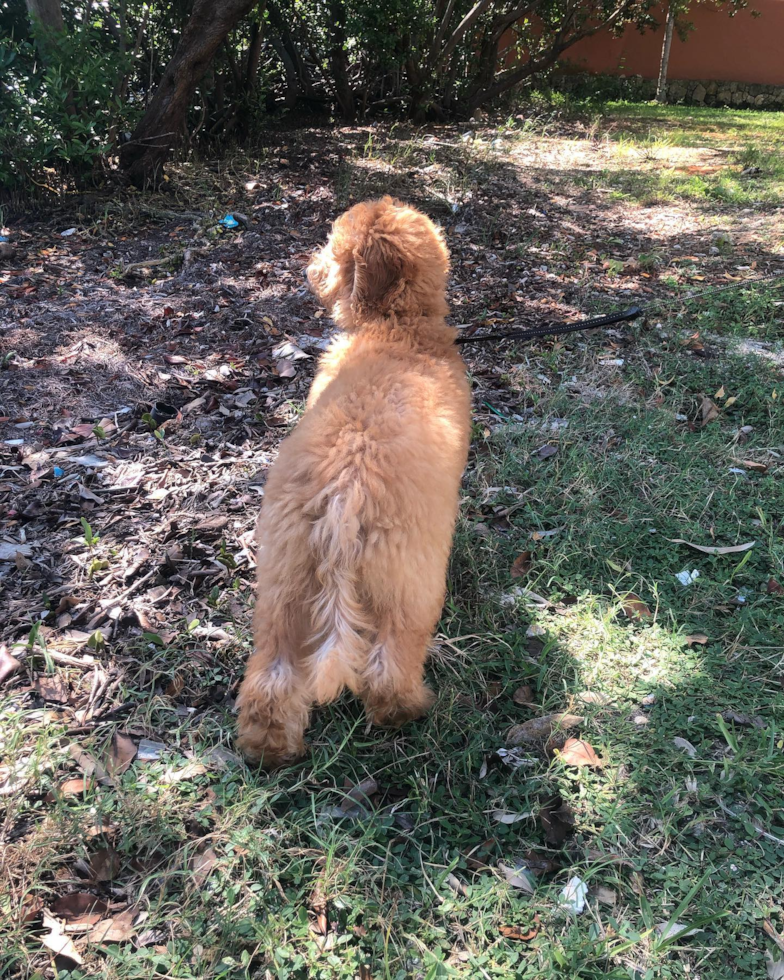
<point x="266" y="754"/>
<point x="399" y="711"/>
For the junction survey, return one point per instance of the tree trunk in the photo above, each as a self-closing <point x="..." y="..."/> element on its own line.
<point x="669" y="26"/>
<point x="46" y="16"/>
<point x="162" y="125"/>
<point x="338" y="59"/>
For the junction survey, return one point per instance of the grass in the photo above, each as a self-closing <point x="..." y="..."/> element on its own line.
<point x="236" y="872"/>
<point x="629" y="476"/>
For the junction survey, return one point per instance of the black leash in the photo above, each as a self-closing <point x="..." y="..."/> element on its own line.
<point x="557" y="328"/>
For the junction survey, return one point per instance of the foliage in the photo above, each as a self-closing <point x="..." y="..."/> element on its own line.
<point x="65" y="104"/>
<point x="63" y="113"/>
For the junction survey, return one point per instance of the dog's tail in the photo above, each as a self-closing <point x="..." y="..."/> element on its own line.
<point x="338" y="617"/>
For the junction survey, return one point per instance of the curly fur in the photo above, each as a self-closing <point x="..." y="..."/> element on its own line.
<point x="359" y="508"/>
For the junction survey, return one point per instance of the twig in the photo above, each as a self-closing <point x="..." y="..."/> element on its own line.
<point x="148" y="264"/>
<point x="760" y="830"/>
<point x="131" y="589"/>
<point x="767" y="926"/>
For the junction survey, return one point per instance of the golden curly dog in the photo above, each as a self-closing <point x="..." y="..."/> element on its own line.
<point x="360" y="506"/>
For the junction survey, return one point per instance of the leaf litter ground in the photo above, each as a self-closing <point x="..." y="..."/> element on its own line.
<point x="141" y="409"/>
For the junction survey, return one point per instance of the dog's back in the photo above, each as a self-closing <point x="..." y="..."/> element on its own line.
<point x="360" y="506"/>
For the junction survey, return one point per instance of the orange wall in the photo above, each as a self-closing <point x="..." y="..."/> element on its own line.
<point x="738" y="49"/>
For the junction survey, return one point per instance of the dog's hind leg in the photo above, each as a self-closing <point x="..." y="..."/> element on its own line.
<point x="393" y="688"/>
<point x="275" y="696"/>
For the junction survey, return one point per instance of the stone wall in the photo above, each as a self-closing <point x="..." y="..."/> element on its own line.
<point x="739" y="95"/>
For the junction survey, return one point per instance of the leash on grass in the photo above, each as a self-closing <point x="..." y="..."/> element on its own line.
<point x="632" y="313"/>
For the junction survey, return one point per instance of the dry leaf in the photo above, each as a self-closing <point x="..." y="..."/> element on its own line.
<point x="773" y="587"/>
<point x="89" y="764"/>
<point x="539" y="729"/>
<point x="72" y="787"/>
<point x="456" y="885"/>
<point x="713" y="549"/>
<point x="774" y="968"/>
<point x="188" y="771"/>
<point x="104" y="864"/>
<point x="53" y="688"/>
<point x="700" y="638"/>
<point x="60" y="944"/>
<point x="521" y="565"/>
<point x="668" y="930"/>
<point x="79" y="908"/>
<point x="594" y="697"/>
<point x="685" y="745"/>
<point x="518" y="877"/>
<point x="519" y="933"/>
<point x="634" y="607"/>
<point x="201" y="866"/>
<point x="508" y="816"/>
<point x="740" y="718"/>
<point x="118" y="929"/>
<point x="523" y="695"/>
<point x="121" y="754"/>
<point x="9" y="665"/>
<point x="708" y="411"/>
<point x="577" y="752"/>
<point x="359" y="793"/>
<point x="285" y="368"/>
<point x="557" y="820"/>
<point x="754" y="466"/>
<point x="605" y="895"/>
<point x="547" y="451"/>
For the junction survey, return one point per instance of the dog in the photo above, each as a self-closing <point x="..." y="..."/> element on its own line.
<point x="360" y="505"/>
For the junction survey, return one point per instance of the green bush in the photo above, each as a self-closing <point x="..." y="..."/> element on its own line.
<point x="63" y="116"/>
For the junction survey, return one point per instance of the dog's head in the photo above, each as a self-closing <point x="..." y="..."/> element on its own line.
<point x="382" y="258"/>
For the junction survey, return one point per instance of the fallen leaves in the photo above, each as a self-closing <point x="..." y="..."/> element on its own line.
<point x="634" y="608"/>
<point x="579" y="753"/>
<point x="104" y="864"/>
<point x="699" y="638"/>
<point x="520" y="933"/>
<point x="9" y="665"/>
<point x="557" y="820"/>
<point x="754" y="466"/>
<point x="709" y="411"/>
<point x="773" y="587"/>
<point x="79" y="908"/>
<point x="59" y="943"/>
<point x="714" y="549"/>
<point x="518" y="877"/>
<point x="201" y="865"/>
<point x="521" y="565"/>
<point x="508" y="816"/>
<point x="672" y="930"/>
<point x="121" y="754"/>
<point x="53" y="687"/>
<point x="685" y="746"/>
<point x="741" y="718"/>
<point x="118" y="929"/>
<point x="523" y="695"/>
<point x="540" y="729"/>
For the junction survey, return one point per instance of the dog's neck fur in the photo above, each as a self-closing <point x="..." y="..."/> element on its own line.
<point x="430" y="334"/>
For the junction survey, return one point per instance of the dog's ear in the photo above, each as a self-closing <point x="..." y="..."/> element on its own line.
<point x="379" y="271"/>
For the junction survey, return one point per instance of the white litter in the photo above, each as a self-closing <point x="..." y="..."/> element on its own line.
<point x="574" y="895"/>
<point x="687" y="577"/>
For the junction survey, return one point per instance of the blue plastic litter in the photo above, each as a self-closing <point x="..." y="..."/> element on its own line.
<point x="4" y="238"/>
<point x="229" y="221"/>
<point x="58" y="472"/>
